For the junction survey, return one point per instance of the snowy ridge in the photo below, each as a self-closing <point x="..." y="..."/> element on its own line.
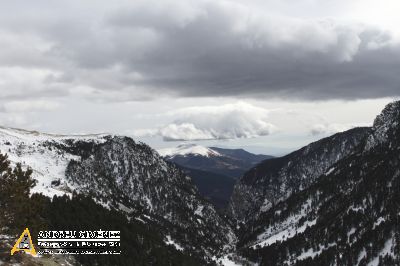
<point x="124" y="175"/>
<point x="188" y="149"/>
<point x="35" y="135"/>
<point x="32" y="149"/>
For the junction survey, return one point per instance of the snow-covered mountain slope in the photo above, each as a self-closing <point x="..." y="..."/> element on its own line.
<point x="348" y="216"/>
<point x="228" y="162"/>
<point x="125" y="175"/>
<point x="37" y="151"/>
<point x="214" y="187"/>
<point x="276" y="179"/>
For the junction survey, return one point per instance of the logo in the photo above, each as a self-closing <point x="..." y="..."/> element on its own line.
<point x="24" y="243"/>
<point x="79" y="242"/>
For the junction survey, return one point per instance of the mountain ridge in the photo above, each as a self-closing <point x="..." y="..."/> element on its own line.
<point x="229" y="162"/>
<point x="349" y="216"/>
<point x="213" y="169"/>
<point x="124" y="175"/>
<point x="276" y="179"/>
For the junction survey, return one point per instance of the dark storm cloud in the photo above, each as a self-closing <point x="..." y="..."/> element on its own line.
<point x="145" y="49"/>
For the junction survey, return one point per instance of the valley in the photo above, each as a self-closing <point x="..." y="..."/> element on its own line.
<point x="334" y="201"/>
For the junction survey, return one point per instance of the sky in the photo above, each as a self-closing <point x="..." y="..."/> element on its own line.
<point x="269" y="76"/>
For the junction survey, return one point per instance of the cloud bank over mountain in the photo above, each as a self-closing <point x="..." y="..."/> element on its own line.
<point x="229" y="121"/>
<point x="332" y="128"/>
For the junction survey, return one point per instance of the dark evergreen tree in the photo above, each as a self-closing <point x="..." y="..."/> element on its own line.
<point x="16" y="208"/>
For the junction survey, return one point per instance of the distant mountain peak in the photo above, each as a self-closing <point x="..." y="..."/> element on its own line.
<point x="188" y="149"/>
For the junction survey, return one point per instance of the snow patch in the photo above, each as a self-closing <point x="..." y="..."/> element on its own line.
<point x="378" y="222"/>
<point x="170" y="241"/>
<point x="285" y="234"/>
<point x="199" y="210"/>
<point x="387" y="250"/>
<point x="232" y="259"/>
<point x="226" y="261"/>
<point x="311" y="253"/>
<point x="330" y="171"/>
<point x="361" y="256"/>
<point x="265" y="206"/>
<point x="286" y="229"/>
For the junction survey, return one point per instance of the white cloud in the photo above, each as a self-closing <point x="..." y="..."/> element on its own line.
<point x="229" y="121"/>
<point x="187" y="131"/>
<point x="329" y="129"/>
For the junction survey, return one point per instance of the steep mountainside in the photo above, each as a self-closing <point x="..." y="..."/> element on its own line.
<point x="276" y="179"/>
<point x="229" y="162"/>
<point x="216" y="188"/>
<point x="123" y="175"/>
<point x="349" y="216"/>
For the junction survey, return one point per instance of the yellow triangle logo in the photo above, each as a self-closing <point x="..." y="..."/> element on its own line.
<point x="24" y="243"/>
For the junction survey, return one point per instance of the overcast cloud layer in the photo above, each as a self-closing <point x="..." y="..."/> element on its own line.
<point x="140" y="50"/>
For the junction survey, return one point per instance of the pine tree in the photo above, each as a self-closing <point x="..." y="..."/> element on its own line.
<point x="15" y="203"/>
